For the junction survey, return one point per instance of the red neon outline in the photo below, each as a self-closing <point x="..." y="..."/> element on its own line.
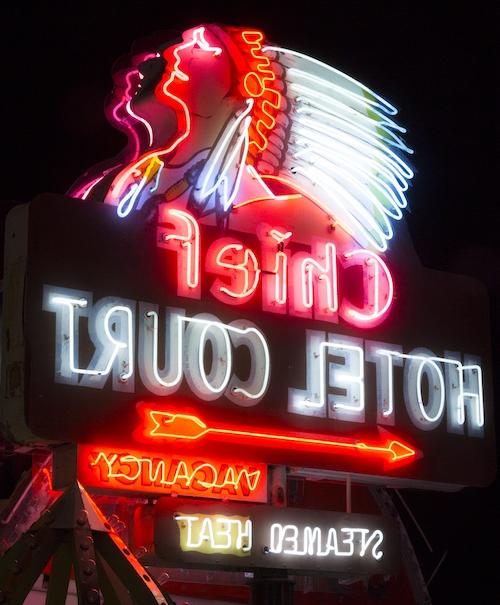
<point x="239" y="272"/>
<point x="275" y="278"/>
<point x="378" y="297"/>
<point x="186" y="246"/>
<point x="315" y="286"/>
<point x="183" y="114"/>
<point x="125" y="104"/>
<point x="267" y="198"/>
<point x="85" y="190"/>
<point x="280" y="270"/>
<point x="122" y="123"/>
<point x="148" y="473"/>
<point x="309" y="196"/>
<point x="174" y="425"/>
<point x="270" y="99"/>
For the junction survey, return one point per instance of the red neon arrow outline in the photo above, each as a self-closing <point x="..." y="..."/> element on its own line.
<point x="175" y="425"/>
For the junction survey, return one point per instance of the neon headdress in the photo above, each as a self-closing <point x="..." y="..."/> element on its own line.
<point x="221" y="115"/>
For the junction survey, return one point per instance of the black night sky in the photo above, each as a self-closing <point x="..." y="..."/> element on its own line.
<point x="436" y="66"/>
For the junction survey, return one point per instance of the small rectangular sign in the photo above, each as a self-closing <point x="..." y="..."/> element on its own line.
<point x="233" y="535"/>
<point x="120" y="469"/>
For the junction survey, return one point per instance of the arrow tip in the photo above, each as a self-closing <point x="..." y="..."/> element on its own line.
<point x="400" y="451"/>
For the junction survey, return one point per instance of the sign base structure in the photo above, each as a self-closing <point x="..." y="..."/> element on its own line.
<point x="203" y="548"/>
<point x="269" y="587"/>
<point x="77" y="536"/>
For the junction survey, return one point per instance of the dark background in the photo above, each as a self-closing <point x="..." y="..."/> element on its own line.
<point x="437" y="66"/>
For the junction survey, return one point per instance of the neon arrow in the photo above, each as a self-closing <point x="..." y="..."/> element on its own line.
<point x="172" y="425"/>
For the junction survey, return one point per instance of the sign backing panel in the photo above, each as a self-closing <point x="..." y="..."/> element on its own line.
<point x="438" y="311"/>
<point x="199" y="534"/>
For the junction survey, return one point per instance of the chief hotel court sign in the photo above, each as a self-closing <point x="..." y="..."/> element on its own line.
<point x="238" y="288"/>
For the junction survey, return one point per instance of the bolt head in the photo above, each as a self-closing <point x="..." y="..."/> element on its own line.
<point x="92" y="596"/>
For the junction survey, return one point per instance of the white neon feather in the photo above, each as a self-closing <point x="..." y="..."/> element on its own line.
<point x="220" y="178"/>
<point x="343" y="147"/>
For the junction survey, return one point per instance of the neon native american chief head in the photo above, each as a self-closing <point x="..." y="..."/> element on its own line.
<point x="223" y="119"/>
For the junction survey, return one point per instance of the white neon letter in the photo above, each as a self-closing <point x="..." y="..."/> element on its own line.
<point x="186" y="522"/>
<point x="276" y="538"/>
<point x="112" y="330"/>
<point x="426" y="416"/>
<point x="377" y="537"/>
<point x="385" y="357"/>
<point x="250" y="391"/>
<point x="167" y="380"/>
<point x="312" y="537"/>
<point x="348" y="376"/>
<point x="203" y="328"/>
<point x="465" y="398"/>
<point x="69" y="306"/>
<point x="311" y="400"/>
<point x="244" y="540"/>
<point x="349" y="541"/>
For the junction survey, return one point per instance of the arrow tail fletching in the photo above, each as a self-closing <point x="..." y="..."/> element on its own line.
<point x="179" y="426"/>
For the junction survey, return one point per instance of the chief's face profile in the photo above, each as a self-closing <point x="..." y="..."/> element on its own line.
<point x="221" y="115"/>
<point x="157" y="116"/>
<point x="197" y="73"/>
<point x="181" y="82"/>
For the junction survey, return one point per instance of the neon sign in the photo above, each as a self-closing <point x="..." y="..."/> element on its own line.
<point x="217" y="534"/>
<point x="247" y="536"/>
<point x="289" y="117"/>
<point x="348" y="542"/>
<point x="213" y="534"/>
<point x="238" y="267"/>
<point x="303" y="282"/>
<point x="108" y="468"/>
<point x="161" y="425"/>
<point x="454" y="385"/>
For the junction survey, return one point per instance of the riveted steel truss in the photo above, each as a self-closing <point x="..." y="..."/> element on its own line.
<point x="74" y="534"/>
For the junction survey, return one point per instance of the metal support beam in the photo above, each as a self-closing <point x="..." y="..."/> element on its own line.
<point x="348" y="494"/>
<point x="59" y="576"/>
<point x="278" y="486"/>
<point x="271" y="587"/>
<point x="412" y="566"/>
<point x="84" y="561"/>
<point x="113" y="591"/>
<point x="139" y="583"/>
<point x="75" y="533"/>
<point x="24" y="562"/>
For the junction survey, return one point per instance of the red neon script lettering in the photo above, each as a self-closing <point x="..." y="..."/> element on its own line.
<point x="157" y="473"/>
<point x="305" y="284"/>
<point x="378" y="289"/>
<point x="179" y="232"/>
<point x="314" y="281"/>
<point x="259" y="84"/>
<point x="275" y="259"/>
<point x="236" y="263"/>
